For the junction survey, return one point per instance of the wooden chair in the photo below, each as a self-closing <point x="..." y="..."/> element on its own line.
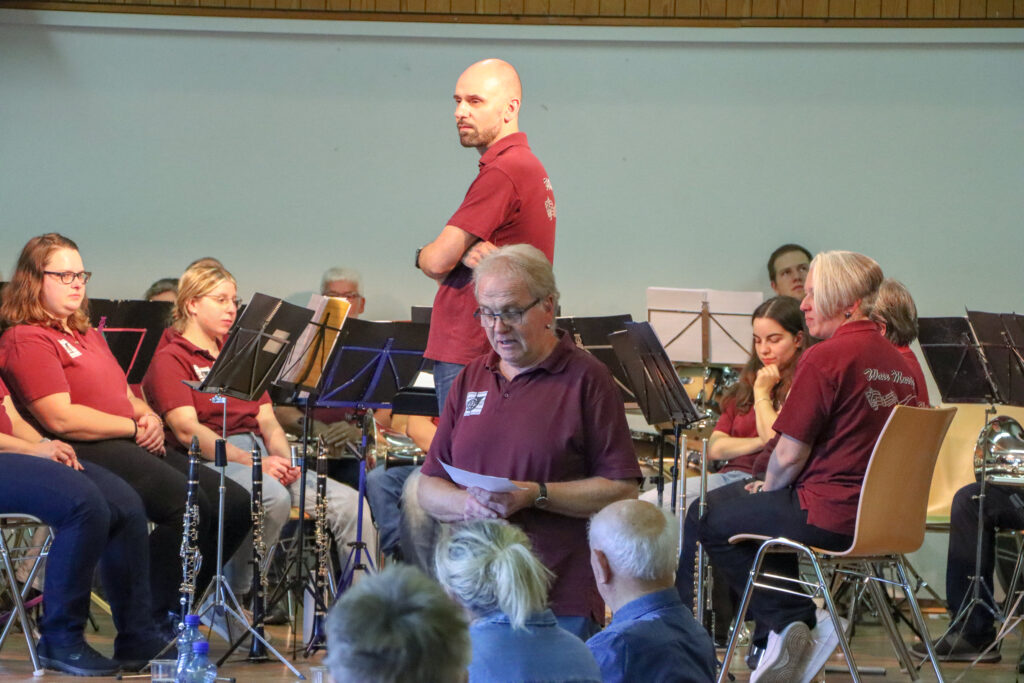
<point x="18" y="528"/>
<point x="890" y="522"/>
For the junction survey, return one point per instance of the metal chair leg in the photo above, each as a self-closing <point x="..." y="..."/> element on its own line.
<point x="19" y="608"/>
<point x="919" y="618"/>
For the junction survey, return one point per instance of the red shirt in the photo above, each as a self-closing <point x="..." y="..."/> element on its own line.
<point x="741" y="426"/>
<point x="179" y="359"/>
<point x="915" y="371"/>
<point x="39" y="361"/>
<point x="843" y="391"/>
<point x="561" y="421"/>
<point x="510" y="202"/>
<point x="5" y="420"/>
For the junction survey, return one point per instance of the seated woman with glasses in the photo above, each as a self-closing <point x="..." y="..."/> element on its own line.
<point x="489" y="567"/>
<point x="61" y="371"/>
<point x="203" y="314"/>
<point x="542" y="413"/>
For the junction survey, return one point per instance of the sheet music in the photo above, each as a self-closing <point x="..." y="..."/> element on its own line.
<point x="480" y="481"/>
<point x="306" y="359"/>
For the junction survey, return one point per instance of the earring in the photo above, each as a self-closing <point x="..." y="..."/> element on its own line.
<point x="548" y="326"/>
<point x="848" y="314"/>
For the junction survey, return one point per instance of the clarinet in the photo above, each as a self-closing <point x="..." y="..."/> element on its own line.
<point x="702" y="580"/>
<point x="318" y="634"/>
<point x="191" y="558"/>
<point x="257" y="650"/>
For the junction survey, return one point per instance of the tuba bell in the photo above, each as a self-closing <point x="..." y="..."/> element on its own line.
<point x="999" y="453"/>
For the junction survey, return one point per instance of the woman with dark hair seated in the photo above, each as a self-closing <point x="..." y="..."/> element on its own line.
<point x="488" y="566"/>
<point x="61" y="371"/>
<point x="97" y="518"/>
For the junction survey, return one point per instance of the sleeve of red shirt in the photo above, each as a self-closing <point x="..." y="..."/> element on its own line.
<point x="163" y="384"/>
<point x="489" y="202"/>
<point x="33" y="367"/>
<point x="725" y="420"/>
<point x="808" y="406"/>
<point x="608" y="446"/>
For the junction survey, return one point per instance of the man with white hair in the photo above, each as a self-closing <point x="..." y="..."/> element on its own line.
<point x="652" y="635"/>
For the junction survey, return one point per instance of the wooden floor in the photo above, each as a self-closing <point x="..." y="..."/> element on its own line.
<point x="870" y="647"/>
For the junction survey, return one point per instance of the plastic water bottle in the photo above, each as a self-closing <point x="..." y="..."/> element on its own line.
<point x="200" y="669"/>
<point x="189" y="635"/>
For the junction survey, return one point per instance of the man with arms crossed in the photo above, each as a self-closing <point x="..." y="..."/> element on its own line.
<point x="510" y="202"/>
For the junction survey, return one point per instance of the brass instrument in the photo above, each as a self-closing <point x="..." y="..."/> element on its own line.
<point x="318" y="634"/>
<point x="999" y="453"/>
<point x="191" y="558"/>
<point x="257" y="650"/>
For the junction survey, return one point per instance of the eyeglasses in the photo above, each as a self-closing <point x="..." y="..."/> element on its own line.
<point x="224" y="301"/>
<point x="348" y="296"/>
<point x="510" y="317"/>
<point x="67" y="277"/>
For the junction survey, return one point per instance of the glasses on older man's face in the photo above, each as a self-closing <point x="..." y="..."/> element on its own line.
<point x="67" y="276"/>
<point x="510" y="317"/>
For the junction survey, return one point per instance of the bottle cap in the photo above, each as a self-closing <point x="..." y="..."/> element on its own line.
<point x="201" y="647"/>
<point x="191" y="620"/>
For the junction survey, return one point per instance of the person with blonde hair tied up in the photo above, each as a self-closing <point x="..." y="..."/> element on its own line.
<point x="489" y="567"/>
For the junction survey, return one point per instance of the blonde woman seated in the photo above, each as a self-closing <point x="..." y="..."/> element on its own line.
<point x="204" y="312"/>
<point x="489" y="567"/>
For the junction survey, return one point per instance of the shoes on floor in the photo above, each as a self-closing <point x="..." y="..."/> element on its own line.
<point x="133" y="654"/>
<point x="954" y="647"/>
<point x="78" y="659"/>
<point x="824" y="639"/>
<point x="784" y="655"/>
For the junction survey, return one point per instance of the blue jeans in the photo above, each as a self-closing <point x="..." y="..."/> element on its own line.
<point x="97" y="519"/>
<point x="384" y="494"/>
<point x="444" y="375"/>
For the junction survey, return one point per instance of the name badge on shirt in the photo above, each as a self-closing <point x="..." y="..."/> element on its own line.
<point x="475" y="402"/>
<point x="201" y="373"/>
<point x="70" y="348"/>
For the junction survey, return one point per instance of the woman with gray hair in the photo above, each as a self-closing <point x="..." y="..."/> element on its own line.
<point x="489" y="567"/>
<point x="843" y="391"/>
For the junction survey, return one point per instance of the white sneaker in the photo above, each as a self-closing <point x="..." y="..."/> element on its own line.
<point x="824" y="639"/>
<point x="784" y="655"/>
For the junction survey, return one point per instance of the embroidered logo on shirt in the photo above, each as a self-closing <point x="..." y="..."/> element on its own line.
<point x="549" y="206"/>
<point x="69" y="347"/>
<point x="877" y="399"/>
<point x="475" y="402"/>
<point x="201" y="373"/>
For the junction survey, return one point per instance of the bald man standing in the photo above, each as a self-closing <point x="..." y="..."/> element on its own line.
<point x="510" y="202"/>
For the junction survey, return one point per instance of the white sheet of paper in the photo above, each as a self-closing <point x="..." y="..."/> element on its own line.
<point x="481" y="481"/>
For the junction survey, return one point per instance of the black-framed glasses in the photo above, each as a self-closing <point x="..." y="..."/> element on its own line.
<point x="224" y="301"/>
<point x="513" y="316"/>
<point x="67" y="276"/>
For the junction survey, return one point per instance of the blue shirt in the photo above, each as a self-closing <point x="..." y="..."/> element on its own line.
<point x="654" y="639"/>
<point x="541" y="652"/>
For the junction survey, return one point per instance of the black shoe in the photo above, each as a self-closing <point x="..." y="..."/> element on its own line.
<point x="77" y="660"/>
<point x="754" y="656"/>
<point x="953" y="647"/>
<point x="132" y="654"/>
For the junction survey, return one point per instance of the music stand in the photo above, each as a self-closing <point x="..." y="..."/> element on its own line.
<point x="703" y="326"/>
<point x="252" y="356"/>
<point x="1000" y="338"/>
<point x="132" y="330"/>
<point x="591" y="335"/>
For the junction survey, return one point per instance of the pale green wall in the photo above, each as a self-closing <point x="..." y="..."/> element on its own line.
<point x="679" y="157"/>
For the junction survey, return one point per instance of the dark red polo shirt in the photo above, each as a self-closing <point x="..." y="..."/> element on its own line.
<point x="179" y="359"/>
<point x="510" y="202"/>
<point x="741" y="426"/>
<point x="39" y="361"/>
<point x="561" y="421"/>
<point x="843" y="391"/>
<point x="918" y="375"/>
<point x="5" y="420"/>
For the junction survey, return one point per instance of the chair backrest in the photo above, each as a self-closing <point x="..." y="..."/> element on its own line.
<point x="894" y="497"/>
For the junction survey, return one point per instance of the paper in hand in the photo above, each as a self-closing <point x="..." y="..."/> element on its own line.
<point x="480" y="481"/>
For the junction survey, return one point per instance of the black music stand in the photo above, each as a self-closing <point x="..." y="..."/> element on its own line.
<point x="956" y="361"/>
<point x="132" y="330"/>
<point x="591" y="335"/>
<point x="250" y="358"/>
<point x="1001" y="340"/>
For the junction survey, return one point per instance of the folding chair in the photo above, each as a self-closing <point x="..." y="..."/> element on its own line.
<point x="21" y="549"/>
<point x="890" y="522"/>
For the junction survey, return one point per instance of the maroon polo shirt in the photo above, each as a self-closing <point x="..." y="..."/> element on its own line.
<point x="5" y="420"/>
<point x="843" y="391"/>
<point x="917" y="373"/>
<point x="560" y="421"/>
<point x="38" y="361"/>
<point x="178" y="360"/>
<point x="742" y="426"/>
<point x="510" y="202"/>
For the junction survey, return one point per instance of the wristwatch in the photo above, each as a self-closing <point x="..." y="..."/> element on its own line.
<point x="418" y="256"/>
<point x="542" y="500"/>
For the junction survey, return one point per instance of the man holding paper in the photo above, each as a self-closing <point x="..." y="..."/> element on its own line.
<point x="543" y="414"/>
